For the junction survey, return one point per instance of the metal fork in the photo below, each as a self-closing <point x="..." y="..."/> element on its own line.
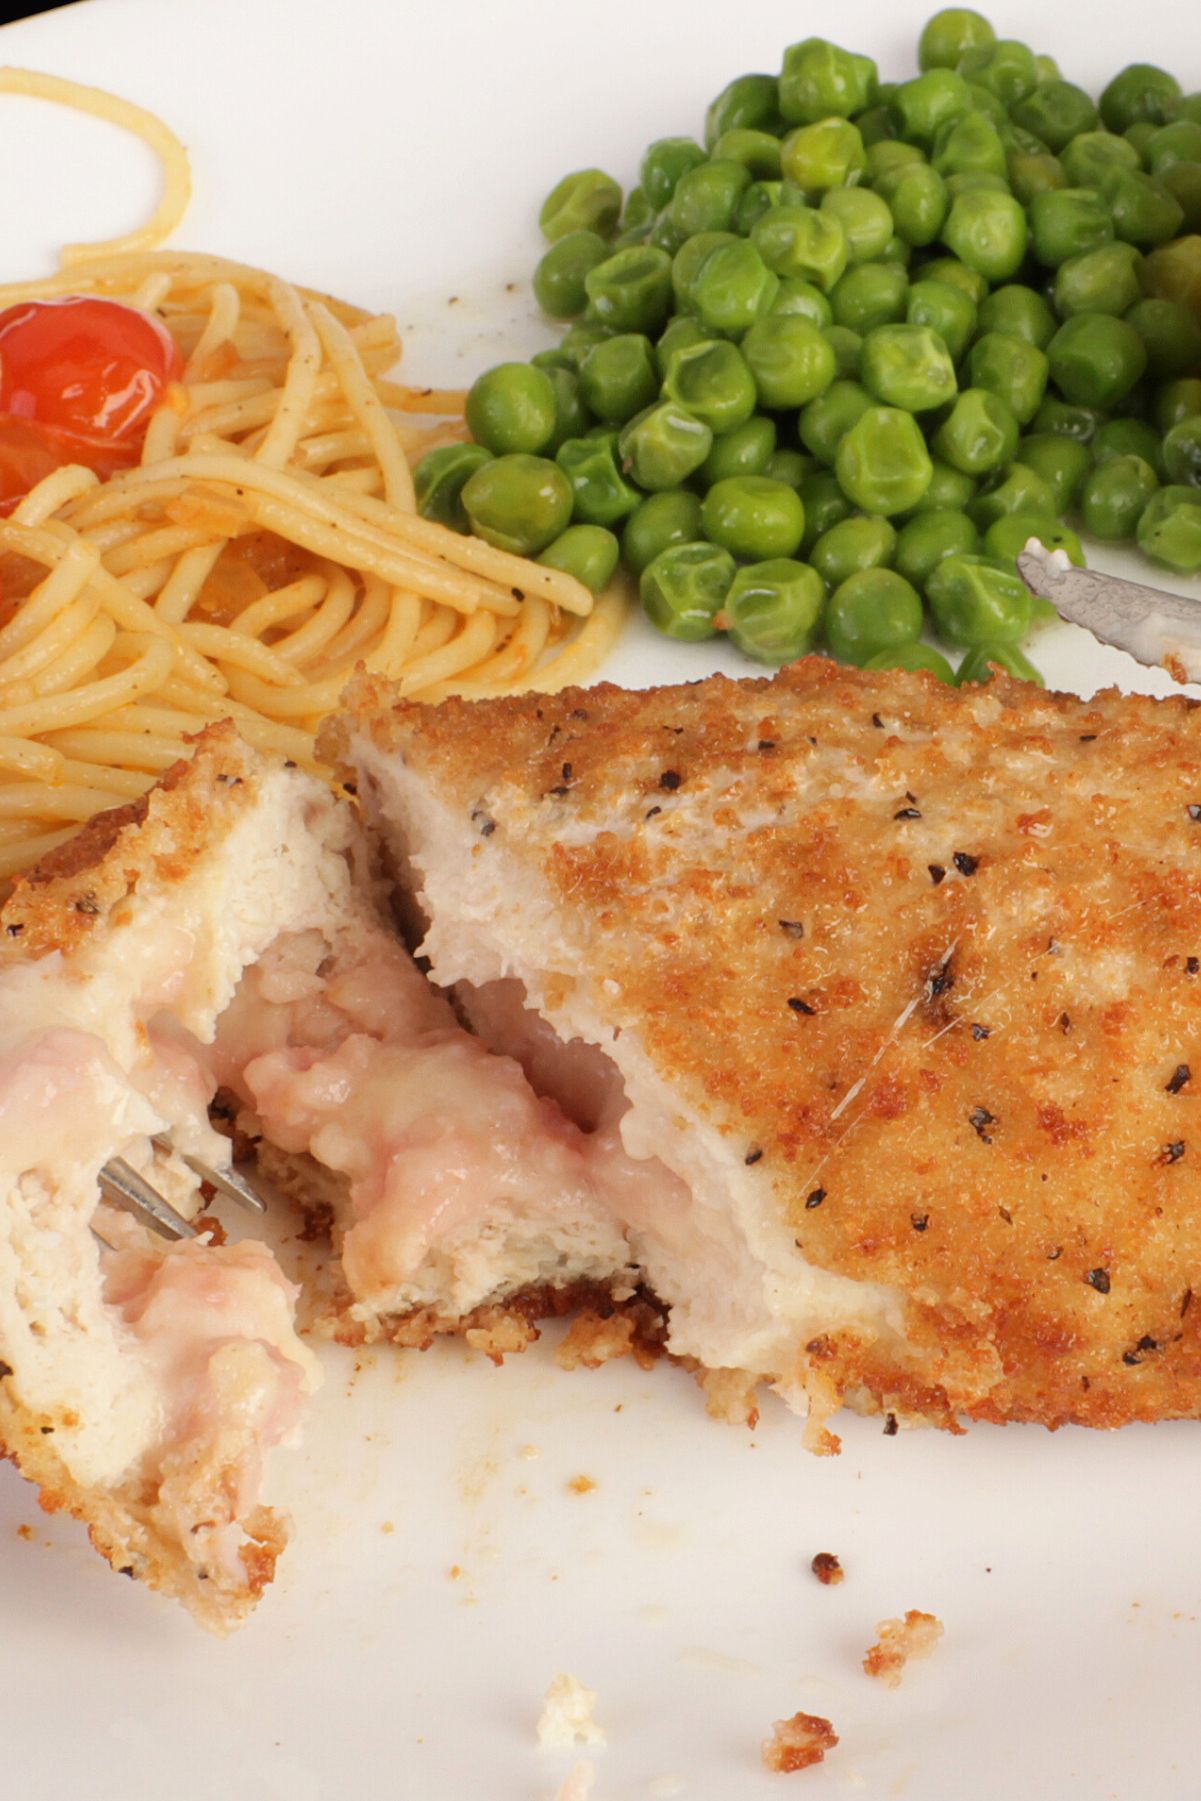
<point x="122" y="1184"/>
<point x="1158" y="629"/>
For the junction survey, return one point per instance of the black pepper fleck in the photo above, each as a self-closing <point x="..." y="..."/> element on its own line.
<point x="919" y="1221"/>
<point x="816" y="1198"/>
<point x="567" y="772"/>
<point x="652" y="811"/>
<point x="1193" y="965"/>
<point x="86" y="903"/>
<point x="793" y="927"/>
<point x="1065" y="1024"/>
<point x="980" y="1119"/>
<point x="939" y="980"/>
<point x="1194" y="811"/>
<point x="908" y="813"/>
<point x="800" y="1006"/>
<point x="1055" y="1255"/>
<point x="1088" y="737"/>
<point x="937" y="872"/>
<point x="1098" y="1279"/>
<point x="964" y="863"/>
<point x="767" y="744"/>
<point x="1172" y="1153"/>
<point x="1186" y="1301"/>
<point x="670" y="779"/>
<point x="14" y="931"/>
<point x="979" y="1032"/>
<point x="1180" y="1075"/>
<point x="890" y="1425"/>
<point x="486" y="824"/>
<point x="753" y="1155"/>
<point x="1006" y="1215"/>
<point x="877" y="722"/>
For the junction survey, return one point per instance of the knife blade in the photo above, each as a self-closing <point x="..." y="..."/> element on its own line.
<point x="1158" y="629"/>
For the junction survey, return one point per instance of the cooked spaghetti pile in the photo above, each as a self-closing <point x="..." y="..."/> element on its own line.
<point x="267" y="543"/>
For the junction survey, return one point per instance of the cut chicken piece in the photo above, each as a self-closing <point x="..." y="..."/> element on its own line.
<point x="899" y="986"/>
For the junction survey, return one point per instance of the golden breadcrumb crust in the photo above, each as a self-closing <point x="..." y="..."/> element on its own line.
<point x="931" y="958"/>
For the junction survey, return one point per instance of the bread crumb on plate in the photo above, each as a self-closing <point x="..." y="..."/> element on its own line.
<point x="567" y="1717"/>
<point x="899" y="1640"/>
<point x="799" y="1742"/>
<point x="577" y="1784"/>
<point x="828" y="1569"/>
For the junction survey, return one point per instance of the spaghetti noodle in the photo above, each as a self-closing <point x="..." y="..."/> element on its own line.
<point x="267" y="543"/>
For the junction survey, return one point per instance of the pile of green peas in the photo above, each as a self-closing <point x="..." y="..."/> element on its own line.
<point x="825" y="372"/>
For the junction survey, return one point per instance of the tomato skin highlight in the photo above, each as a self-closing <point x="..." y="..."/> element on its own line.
<point x="80" y="378"/>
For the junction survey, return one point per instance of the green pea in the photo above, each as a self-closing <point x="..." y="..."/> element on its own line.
<point x="749" y="102"/>
<point x="637" y="217"/>
<point x="928" y="539"/>
<point x="1143" y="212"/>
<point x="1170" y="145"/>
<point x="1140" y="135"/>
<point x="820" y="81"/>
<point x="789" y="359"/>
<point x="920" y="106"/>
<point x="665" y="234"/>
<point x="872" y="611"/>
<point x="1018" y="312"/>
<point x="1090" y="156"/>
<point x="684" y="588"/>
<point x="1006" y="69"/>
<point x="1032" y="173"/>
<point x="865" y="219"/>
<point x="1062" y="463"/>
<point x="559" y="278"/>
<point x="825" y="504"/>
<point x="827" y="154"/>
<point x="631" y="290"/>
<point x="1183" y="182"/>
<point x="908" y="366"/>
<point x="949" y="492"/>
<point x="1056" y="112"/>
<point x="600" y="494"/>
<point x="977" y="666"/>
<point x="511" y="408"/>
<point x="1015" y="371"/>
<point x="756" y="200"/>
<point x="978" y="600"/>
<point x="860" y="542"/>
<point x="987" y="104"/>
<point x="1104" y="280"/>
<point x="1066" y="222"/>
<point x="673" y="517"/>
<point x="1114" y="497"/>
<point x="827" y="419"/>
<point x="882" y="462"/>
<point x="957" y="275"/>
<point x="802" y="242"/>
<point x="753" y="517"/>
<point x="1018" y="489"/>
<point x="1128" y="437"/>
<point x="871" y="294"/>
<point x="680" y="333"/>
<point x="618" y="377"/>
<point x="774" y="609"/>
<point x="980" y="433"/>
<point x="913" y="656"/>
<point x="791" y="466"/>
<point x="662" y="166"/>
<point x="988" y="233"/>
<point x="757" y="151"/>
<point x="1140" y="91"/>
<point x="1009" y="535"/>
<point x="580" y="338"/>
<point x="518" y="503"/>
<point x="847" y="346"/>
<point x="747" y="450"/>
<point x="1189" y="107"/>
<point x="572" y="416"/>
<point x="1169" y="530"/>
<point x="1177" y="400"/>
<point x="886" y="158"/>
<point x="588" y="552"/>
<point x="712" y="382"/>
<point x="706" y="198"/>
<point x="875" y="125"/>
<point x="801" y="297"/>
<point x="919" y="202"/>
<point x="1171" y="334"/>
<point x="943" y="309"/>
<point x="1182" y="452"/>
<point x="690" y="259"/>
<point x="968" y="145"/>
<point x="663" y="445"/>
<point x="1058" y="416"/>
<point x="439" y="479"/>
<point x="588" y="200"/>
<point x="948" y="36"/>
<point x="1095" y="360"/>
<point x="733" y="288"/>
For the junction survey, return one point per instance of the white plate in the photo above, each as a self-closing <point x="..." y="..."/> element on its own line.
<point x="444" y="1567"/>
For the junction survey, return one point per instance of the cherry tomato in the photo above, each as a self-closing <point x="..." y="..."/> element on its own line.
<point x="91" y="368"/>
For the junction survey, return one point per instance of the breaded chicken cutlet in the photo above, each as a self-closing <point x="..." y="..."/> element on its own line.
<point x="900" y="986"/>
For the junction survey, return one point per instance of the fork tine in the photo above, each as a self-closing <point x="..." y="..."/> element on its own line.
<point x="226" y="1181"/>
<point x="123" y="1183"/>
